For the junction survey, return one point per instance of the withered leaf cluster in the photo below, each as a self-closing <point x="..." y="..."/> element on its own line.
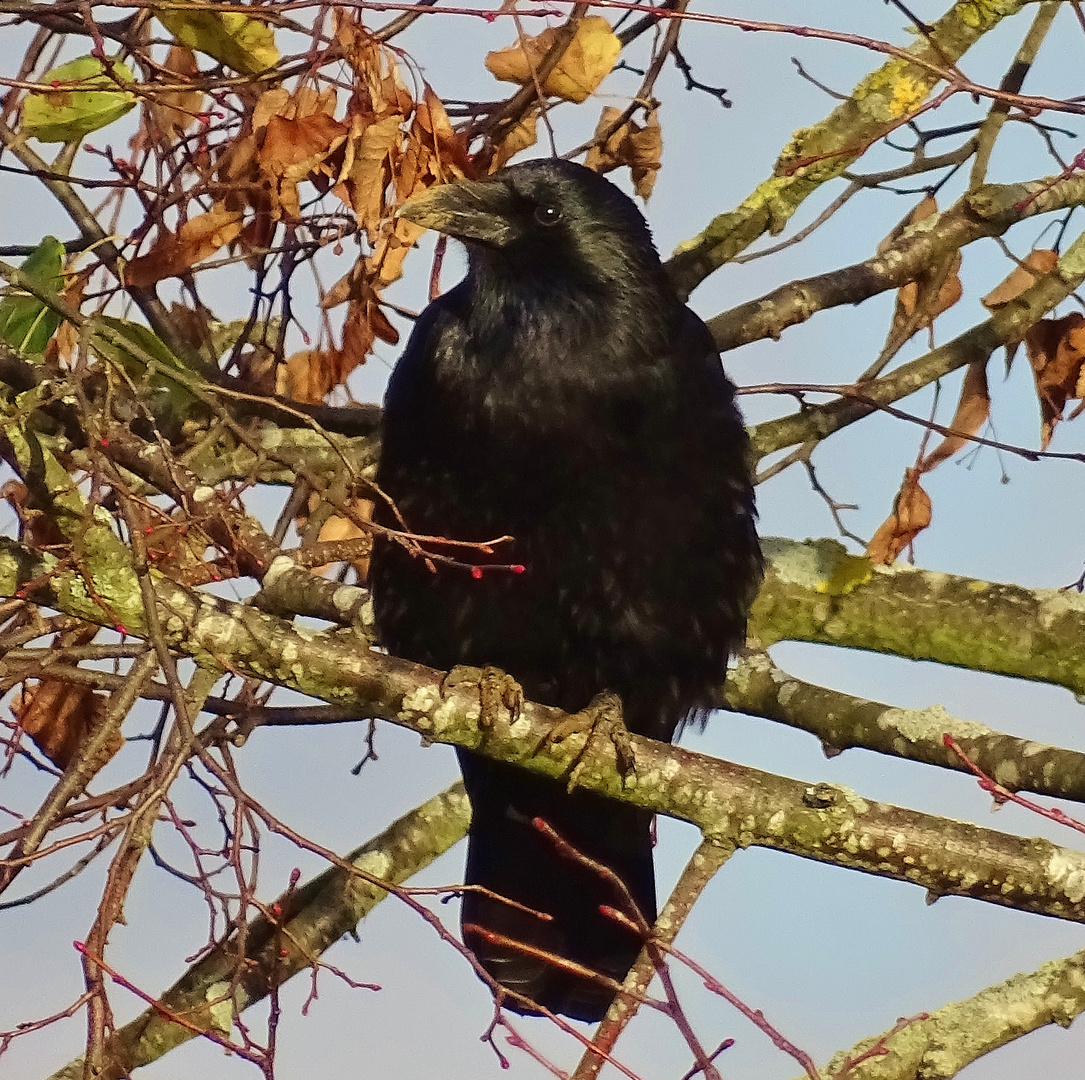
<point x="371" y="151"/>
<point x="625" y="142"/>
<point x="1056" y="352"/>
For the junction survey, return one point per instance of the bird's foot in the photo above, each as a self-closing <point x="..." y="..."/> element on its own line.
<point x="497" y="690"/>
<point x="601" y="717"/>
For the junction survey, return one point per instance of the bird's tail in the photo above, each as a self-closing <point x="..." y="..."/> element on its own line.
<point x="508" y="855"/>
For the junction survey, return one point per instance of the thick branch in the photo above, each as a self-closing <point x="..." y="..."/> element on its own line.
<point x="314" y="917"/>
<point x="881" y="102"/>
<point x="816" y="591"/>
<point x="954" y="1036"/>
<point x="727" y="802"/>
<point x="758" y="687"/>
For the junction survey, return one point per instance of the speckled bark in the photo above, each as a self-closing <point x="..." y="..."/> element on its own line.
<point x="875" y="106"/>
<point x="289" y="590"/>
<point x="315" y="916"/>
<point x="757" y="686"/>
<point x="815" y="591"/>
<point x="957" y="1034"/>
<point x="729" y="803"/>
<point x="323" y="454"/>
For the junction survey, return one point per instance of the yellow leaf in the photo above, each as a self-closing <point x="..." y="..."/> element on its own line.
<point x="84" y="97"/>
<point x="519" y="137"/>
<point x="587" y="61"/>
<point x="247" y="45"/>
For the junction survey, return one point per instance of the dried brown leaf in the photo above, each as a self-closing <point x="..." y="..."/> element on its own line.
<point x="178" y="548"/>
<point x="911" y="515"/>
<point x="367" y="169"/>
<point x="341" y="528"/>
<point x="910" y="295"/>
<point x="973" y="409"/>
<point x="1035" y="265"/>
<point x="296" y="135"/>
<point x="35" y="527"/>
<point x="170" y="113"/>
<point x="638" y="146"/>
<point x="1056" y="351"/>
<point x="257" y="369"/>
<point x="175" y="253"/>
<point x="451" y="159"/>
<point x="309" y="375"/>
<point x="378" y="84"/>
<point x="58" y="716"/>
<point x="385" y="265"/>
<point x="925" y="208"/>
<point x="907" y="318"/>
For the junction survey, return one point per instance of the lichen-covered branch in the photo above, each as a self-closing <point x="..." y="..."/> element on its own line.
<point x="942" y="1044"/>
<point x="816" y="591"/>
<point x="988" y="211"/>
<point x="758" y="687"/>
<point x="314" y="916"/>
<point x="822" y="152"/>
<point x="727" y="802"/>
<point x="289" y="590"/>
<point x="1009" y="323"/>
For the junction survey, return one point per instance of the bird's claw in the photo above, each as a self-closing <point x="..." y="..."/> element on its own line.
<point x="497" y="690"/>
<point x="601" y="717"/>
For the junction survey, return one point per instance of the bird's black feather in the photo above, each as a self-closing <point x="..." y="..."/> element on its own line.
<point x="563" y="395"/>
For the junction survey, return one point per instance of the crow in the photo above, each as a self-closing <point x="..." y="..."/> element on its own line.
<point x="563" y="395"/>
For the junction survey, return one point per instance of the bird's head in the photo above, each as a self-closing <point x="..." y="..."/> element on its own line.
<point x="545" y="216"/>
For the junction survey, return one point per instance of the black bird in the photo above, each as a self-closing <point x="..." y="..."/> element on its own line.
<point x="564" y="395"/>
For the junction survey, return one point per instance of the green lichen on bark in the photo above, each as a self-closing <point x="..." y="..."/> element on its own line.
<point x="950" y="1038"/>
<point x="823" y="151"/>
<point x="314" y="917"/>
<point x="1036" y="634"/>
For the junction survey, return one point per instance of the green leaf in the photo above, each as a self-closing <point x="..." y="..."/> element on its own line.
<point x="130" y="344"/>
<point x="148" y="361"/>
<point x="136" y="348"/>
<point x="84" y="98"/>
<point x="244" y="44"/>
<point x="26" y="324"/>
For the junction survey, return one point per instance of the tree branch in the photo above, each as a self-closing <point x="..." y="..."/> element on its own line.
<point x="942" y="1044"/>
<point x="881" y="102"/>
<point x="314" y="917"/>
<point x="728" y="803"/>
<point x="816" y="591"/>
<point x="1008" y="323"/>
<point x="758" y="687"/>
<point x="989" y="211"/>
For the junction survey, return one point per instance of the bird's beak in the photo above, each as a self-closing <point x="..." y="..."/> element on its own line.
<point x="466" y="209"/>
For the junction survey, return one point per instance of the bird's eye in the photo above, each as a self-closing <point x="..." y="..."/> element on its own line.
<point x="547" y="215"/>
